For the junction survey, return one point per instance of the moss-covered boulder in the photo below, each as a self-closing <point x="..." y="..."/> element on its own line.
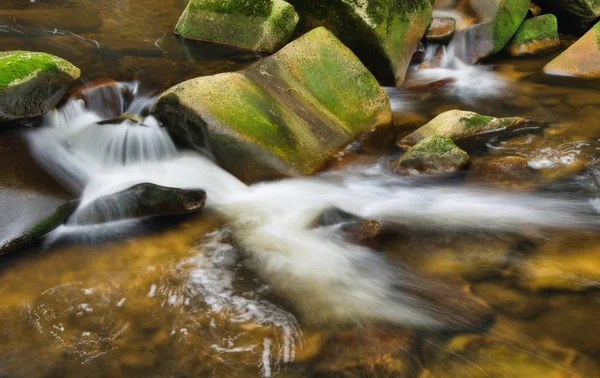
<point x="32" y="83"/>
<point x="383" y="34"/>
<point x="284" y="116"/>
<point x="536" y="35"/>
<point x="499" y="21"/>
<point x="31" y="202"/>
<point x="263" y="25"/>
<point x="140" y="201"/>
<point x="459" y="124"/>
<point x="582" y="59"/>
<point x="573" y="14"/>
<point x="434" y="154"/>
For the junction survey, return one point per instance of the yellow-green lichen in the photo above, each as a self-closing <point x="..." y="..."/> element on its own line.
<point x="476" y="121"/>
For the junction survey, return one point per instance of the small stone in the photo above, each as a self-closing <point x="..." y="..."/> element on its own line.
<point x="434" y="154"/>
<point x="508" y="164"/>
<point x="441" y="30"/>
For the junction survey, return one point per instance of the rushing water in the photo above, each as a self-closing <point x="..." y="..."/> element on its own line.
<point x="266" y="281"/>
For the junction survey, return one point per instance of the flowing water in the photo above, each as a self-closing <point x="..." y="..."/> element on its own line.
<point x="266" y="281"/>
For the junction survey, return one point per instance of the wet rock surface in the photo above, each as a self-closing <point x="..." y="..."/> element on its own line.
<point x="581" y="59"/>
<point x="441" y="30"/>
<point x="31" y="83"/>
<point x="434" y="154"/>
<point x="31" y="202"/>
<point x="535" y="35"/>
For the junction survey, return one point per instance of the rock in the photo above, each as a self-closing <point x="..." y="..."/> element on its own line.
<point x="499" y="20"/>
<point x="505" y="353"/>
<point x="31" y="202"/>
<point x="536" y="35"/>
<point x="264" y="25"/>
<point x="365" y="232"/>
<point x="582" y="59"/>
<point x="508" y="164"/>
<point x="142" y="200"/>
<point x="284" y="116"/>
<point x="31" y="84"/>
<point x="441" y="30"/>
<point x="383" y="34"/>
<point x="534" y="10"/>
<point x="361" y="352"/>
<point x="106" y="97"/>
<point x="458" y="124"/>
<point x="570" y="263"/>
<point x="434" y="61"/>
<point x="434" y="154"/>
<point x="576" y="15"/>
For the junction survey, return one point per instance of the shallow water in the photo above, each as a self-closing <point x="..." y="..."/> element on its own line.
<point x="252" y="287"/>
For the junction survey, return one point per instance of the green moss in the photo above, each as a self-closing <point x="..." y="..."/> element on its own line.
<point x="537" y="28"/>
<point x="253" y="8"/>
<point x="596" y="29"/>
<point x="17" y="65"/>
<point x="476" y="121"/>
<point x="509" y="17"/>
<point x="435" y="144"/>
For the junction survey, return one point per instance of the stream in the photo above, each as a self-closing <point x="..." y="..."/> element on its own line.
<point x="475" y="271"/>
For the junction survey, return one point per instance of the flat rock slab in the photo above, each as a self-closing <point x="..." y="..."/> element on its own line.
<point x="31" y="202"/>
<point x="582" y="59"/>
<point x="284" y="116"/>
<point x="441" y="30"/>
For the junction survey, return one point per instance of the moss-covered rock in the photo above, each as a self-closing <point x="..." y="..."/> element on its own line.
<point x="384" y="34"/>
<point x="263" y="25"/>
<point x="499" y="20"/>
<point x="573" y="14"/>
<point x="140" y="201"/>
<point x="582" y="59"/>
<point x="284" y="116"/>
<point x="459" y="124"/>
<point x="536" y="35"/>
<point x="434" y="154"/>
<point x="32" y="83"/>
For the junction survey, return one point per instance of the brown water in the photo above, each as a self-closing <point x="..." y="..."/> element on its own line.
<point x="150" y="304"/>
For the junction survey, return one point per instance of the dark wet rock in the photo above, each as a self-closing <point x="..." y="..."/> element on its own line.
<point x="534" y="10"/>
<point x="378" y="352"/>
<point x="31" y="83"/>
<point x="505" y="352"/>
<point x="458" y="124"/>
<point x="536" y="35"/>
<point x="365" y="232"/>
<point x="263" y="25"/>
<point x="498" y="22"/>
<point x="383" y="34"/>
<point x="569" y="263"/>
<point x="509" y="301"/>
<point x="284" y="116"/>
<point x="31" y="203"/>
<point x="419" y="54"/>
<point x="39" y="19"/>
<point x="434" y="154"/>
<point x="140" y="201"/>
<point x="441" y="30"/>
<point x="106" y="97"/>
<point x="582" y="59"/>
<point x="431" y="62"/>
<point x="574" y="15"/>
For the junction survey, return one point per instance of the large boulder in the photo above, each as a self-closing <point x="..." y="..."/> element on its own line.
<point x="498" y="22"/>
<point x="459" y="124"/>
<point x="536" y="35"/>
<point x="31" y="202"/>
<point x="434" y="154"/>
<point x="574" y="14"/>
<point x="31" y="83"/>
<point x="140" y="201"/>
<point x="582" y="59"/>
<point x="383" y="34"/>
<point x="263" y="25"/>
<point x="284" y="116"/>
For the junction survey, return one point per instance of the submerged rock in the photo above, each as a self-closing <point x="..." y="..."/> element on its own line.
<point x="534" y="10"/>
<point x="536" y="35"/>
<point x="574" y="14"/>
<point x="499" y="20"/>
<point x="434" y="154"/>
<point x="582" y="59"/>
<point x="31" y="202"/>
<point x="383" y="34"/>
<point x="31" y="83"/>
<point x="263" y="25"/>
<point x="284" y="116"/>
<point x="459" y="124"/>
<point x="441" y="30"/>
<point x="140" y="201"/>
